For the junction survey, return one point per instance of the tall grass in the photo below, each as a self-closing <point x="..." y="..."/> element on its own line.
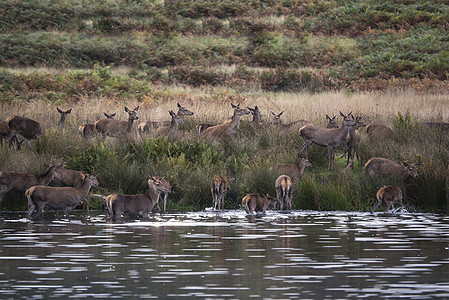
<point x="189" y="163"/>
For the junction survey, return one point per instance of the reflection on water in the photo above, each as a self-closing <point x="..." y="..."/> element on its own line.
<point x="302" y="255"/>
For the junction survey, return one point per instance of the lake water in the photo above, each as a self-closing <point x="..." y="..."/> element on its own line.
<point x="228" y="255"/>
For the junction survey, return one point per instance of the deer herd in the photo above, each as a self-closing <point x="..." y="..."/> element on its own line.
<point x="70" y="187"/>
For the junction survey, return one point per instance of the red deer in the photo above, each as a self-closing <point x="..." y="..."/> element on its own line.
<point x="378" y="132"/>
<point x="257" y="203"/>
<point x="24" y="126"/>
<point x="351" y="144"/>
<point x="20" y="182"/>
<point x="294" y="171"/>
<point x="117" y="128"/>
<point x="389" y="195"/>
<point x="162" y="196"/>
<point x="276" y="120"/>
<point x="284" y="191"/>
<point x="88" y="130"/>
<point x="383" y="167"/>
<point x="218" y="187"/>
<point x="63" y="117"/>
<point x="135" y="205"/>
<point x="326" y="137"/>
<point x="67" y="177"/>
<point x="226" y="130"/>
<point x="331" y="123"/>
<point x="257" y="115"/>
<point x="144" y="127"/>
<point x="173" y="127"/>
<point x="66" y="198"/>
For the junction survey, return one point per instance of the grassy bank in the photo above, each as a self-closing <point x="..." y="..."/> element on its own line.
<point x="189" y="162"/>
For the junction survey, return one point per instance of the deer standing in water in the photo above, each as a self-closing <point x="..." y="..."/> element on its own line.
<point x="257" y="203"/>
<point x="325" y="137"/>
<point x="88" y="130"/>
<point x="389" y="195"/>
<point x="66" y="198"/>
<point x="135" y="205"/>
<point x="20" y="182"/>
<point x="162" y="196"/>
<point x="63" y="117"/>
<point x="173" y="127"/>
<point x="227" y="130"/>
<point x="284" y="191"/>
<point x="276" y="120"/>
<point x="117" y="128"/>
<point x="218" y="187"/>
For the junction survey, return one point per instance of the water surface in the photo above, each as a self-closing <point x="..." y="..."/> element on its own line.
<point x="228" y="255"/>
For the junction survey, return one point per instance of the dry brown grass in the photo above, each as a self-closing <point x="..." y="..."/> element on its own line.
<point x="213" y="105"/>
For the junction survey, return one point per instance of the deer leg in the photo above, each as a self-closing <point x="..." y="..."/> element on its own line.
<point x="379" y="201"/>
<point x="165" y="201"/>
<point x="331" y="151"/>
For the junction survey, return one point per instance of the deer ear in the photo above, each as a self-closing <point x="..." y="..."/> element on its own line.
<point x="179" y="105"/>
<point x="126" y="109"/>
<point x="69" y="111"/>
<point x="231" y="180"/>
<point x="273" y="113"/>
<point x="137" y="108"/>
<point x="59" y="111"/>
<point x="280" y="114"/>
<point x="418" y="164"/>
<point x="405" y="164"/>
<point x="341" y="114"/>
<point x="328" y="118"/>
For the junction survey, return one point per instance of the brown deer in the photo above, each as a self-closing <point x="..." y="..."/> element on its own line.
<point x="218" y="187"/>
<point x="389" y="195"/>
<point x="352" y="141"/>
<point x="292" y="170"/>
<point x="257" y="203"/>
<point x="326" y="137"/>
<point x="331" y="123"/>
<point x="57" y="198"/>
<point x="144" y="127"/>
<point x="173" y="127"/>
<point x="162" y="196"/>
<point x="20" y="182"/>
<point x="117" y="128"/>
<point x="257" y="115"/>
<point x="88" y="130"/>
<point x="26" y="127"/>
<point x="379" y="132"/>
<point x="383" y="167"/>
<point x="4" y="131"/>
<point x="135" y="205"/>
<point x="276" y="120"/>
<point x="284" y="191"/>
<point x="226" y="130"/>
<point x="63" y="117"/>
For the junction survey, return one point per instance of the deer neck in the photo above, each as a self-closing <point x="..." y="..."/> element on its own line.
<point x="153" y="195"/>
<point x="130" y="124"/>
<point x="174" y="125"/>
<point x="235" y="122"/>
<point x="47" y="177"/>
<point x="84" y="188"/>
<point x="344" y="131"/>
<point x="62" y="121"/>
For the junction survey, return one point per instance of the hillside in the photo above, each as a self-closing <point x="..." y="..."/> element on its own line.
<point x="288" y="45"/>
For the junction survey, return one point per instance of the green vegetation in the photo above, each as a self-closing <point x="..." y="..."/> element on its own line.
<point x="358" y="45"/>
<point x="97" y="56"/>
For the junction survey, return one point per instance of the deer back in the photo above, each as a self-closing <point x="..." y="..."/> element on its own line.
<point x="378" y="131"/>
<point x="24" y="126"/>
<point x="378" y="166"/>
